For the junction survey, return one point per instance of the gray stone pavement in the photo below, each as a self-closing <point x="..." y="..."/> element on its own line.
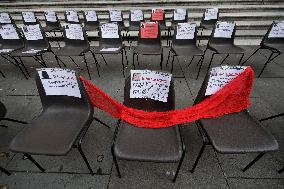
<point x="214" y="170"/>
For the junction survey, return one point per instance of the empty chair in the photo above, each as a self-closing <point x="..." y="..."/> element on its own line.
<point x="184" y="43"/>
<point x="91" y="22"/>
<point x="52" y="22"/>
<point x="29" y="18"/>
<point x="117" y="16"/>
<point x="235" y="133"/>
<point x="209" y="18"/>
<point x="163" y="145"/>
<point x="149" y="42"/>
<point x="72" y="17"/>
<point x="273" y="40"/>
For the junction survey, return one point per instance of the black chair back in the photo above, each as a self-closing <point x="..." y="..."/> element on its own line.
<point x="36" y="44"/>
<point x="29" y="18"/>
<point x="268" y="39"/>
<point x="184" y="42"/>
<point x="119" y="20"/>
<point x="133" y="23"/>
<point x="75" y="42"/>
<point x="209" y="23"/>
<point x="90" y="20"/>
<point x="72" y="17"/>
<point x="11" y="43"/>
<point x="221" y="40"/>
<point x="51" y="19"/>
<point x="110" y="41"/>
<point x="162" y="21"/>
<point x="3" y="110"/>
<point x="175" y="21"/>
<point x="150" y="41"/>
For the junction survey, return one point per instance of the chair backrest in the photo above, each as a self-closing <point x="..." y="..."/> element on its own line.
<point x="91" y="18"/>
<point x="29" y="18"/>
<point x="158" y="15"/>
<point x="10" y="37"/>
<point x="74" y="35"/>
<point x="51" y="19"/>
<point x="3" y="110"/>
<point x="110" y="33"/>
<point x="210" y="17"/>
<point x="150" y="27"/>
<point x="179" y="16"/>
<point x="223" y="33"/>
<point x="275" y="33"/>
<point x="116" y="16"/>
<point x="70" y="81"/>
<point x="72" y="17"/>
<point x="34" y="37"/>
<point x="185" y="34"/>
<point x="135" y="18"/>
<point x="5" y="18"/>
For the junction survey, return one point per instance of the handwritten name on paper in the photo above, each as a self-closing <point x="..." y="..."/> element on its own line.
<point x="91" y="16"/>
<point x="149" y="30"/>
<point x="29" y="16"/>
<point x="50" y="16"/>
<point x="5" y="18"/>
<point x="186" y="30"/>
<point x="277" y="30"/>
<point x="224" y="29"/>
<point x="109" y="30"/>
<point x="72" y="16"/>
<point x="136" y="15"/>
<point x="32" y="32"/>
<point x="115" y="15"/>
<point x="157" y="14"/>
<point x="8" y="31"/>
<point x="180" y="14"/>
<point x="211" y="14"/>
<point x="74" y="31"/>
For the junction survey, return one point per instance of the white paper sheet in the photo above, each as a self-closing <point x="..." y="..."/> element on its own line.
<point x="58" y="81"/>
<point x="109" y="49"/>
<point x="224" y="29"/>
<point x="277" y="30"/>
<point x="109" y="30"/>
<point x="136" y="15"/>
<point x="115" y="15"/>
<point x="30" y="51"/>
<point x="211" y="14"/>
<point x="8" y="31"/>
<point x="220" y="76"/>
<point x="29" y="17"/>
<point x="32" y="32"/>
<point x="74" y="31"/>
<point x="91" y="16"/>
<point x="72" y="16"/>
<point x="185" y="30"/>
<point x="180" y="14"/>
<point x="4" y="18"/>
<point x="5" y="50"/>
<point x="150" y="84"/>
<point x="50" y="16"/>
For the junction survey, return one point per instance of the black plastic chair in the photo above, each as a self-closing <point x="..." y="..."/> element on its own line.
<point x="90" y="25"/>
<point x="71" y="17"/>
<point x="61" y="126"/>
<point x="207" y="23"/>
<point x="134" y="25"/>
<point x="144" y="144"/>
<point x="162" y="23"/>
<point x="29" y="19"/>
<point x="120" y="22"/>
<point x="175" y="21"/>
<point x="106" y="43"/>
<point x="73" y="47"/>
<point x="274" y="44"/>
<point x="148" y="46"/>
<point x="185" y="47"/>
<point x="52" y="24"/>
<point x="33" y="48"/>
<point x="221" y="45"/>
<point x="236" y="133"/>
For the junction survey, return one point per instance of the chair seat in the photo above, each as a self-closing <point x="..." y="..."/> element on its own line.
<point x="189" y="50"/>
<point x="207" y="26"/>
<point x="91" y="28"/>
<point x="133" y="28"/>
<point x="238" y="133"/>
<point x="52" y="133"/>
<point x="28" y="51"/>
<point x="72" y="50"/>
<point x="8" y="50"/>
<point x="148" y="49"/>
<point x="52" y="28"/>
<point x="226" y="48"/>
<point x="279" y="47"/>
<point x="99" y="49"/>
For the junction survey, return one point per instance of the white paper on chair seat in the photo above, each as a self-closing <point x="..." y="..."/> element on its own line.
<point x="224" y="29"/>
<point x="277" y="30"/>
<point x="4" y="18"/>
<point x="180" y="14"/>
<point x="211" y="14"/>
<point x="115" y="15"/>
<point x="29" y="16"/>
<point x="150" y="84"/>
<point x="58" y="81"/>
<point x="72" y="16"/>
<point x="91" y="16"/>
<point x="136" y="15"/>
<point x="30" y="51"/>
<point x="5" y="50"/>
<point x="8" y="31"/>
<point x="220" y="76"/>
<point x="50" y="16"/>
<point x="109" y="30"/>
<point x="110" y="49"/>
<point x="74" y="31"/>
<point x="32" y="32"/>
<point x="185" y="30"/>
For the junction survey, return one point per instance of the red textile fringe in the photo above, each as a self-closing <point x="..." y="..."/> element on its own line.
<point x="234" y="97"/>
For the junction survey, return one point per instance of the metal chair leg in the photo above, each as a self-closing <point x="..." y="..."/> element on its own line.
<point x="253" y="161"/>
<point x="34" y="162"/>
<point x="190" y="61"/>
<point x="272" y="117"/>
<point x="126" y="56"/>
<point x="172" y="69"/>
<point x="122" y="62"/>
<point x="86" y="63"/>
<point x="250" y="56"/>
<point x="201" y="62"/>
<point x="179" y="165"/>
<point x="96" y="62"/>
<point x="281" y="170"/>
<point x="5" y="171"/>
<point x="162" y="58"/>
<point x="210" y="61"/>
<point x="101" y="122"/>
<point x="168" y="58"/>
<point x="13" y="120"/>
<point x="85" y="159"/>
<point x="224" y="59"/>
<point x="115" y="162"/>
<point x="198" y="157"/>
<point x="133" y="60"/>
<point x="25" y="68"/>
<point x="74" y="61"/>
<point x="104" y="59"/>
<point x="268" y="60"/>
<point x="241" y="58"/>
<point x="2" y="74"/>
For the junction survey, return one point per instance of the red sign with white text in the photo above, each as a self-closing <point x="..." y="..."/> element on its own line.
<point x="157" y="14"/>
<point x="149" y="30"/>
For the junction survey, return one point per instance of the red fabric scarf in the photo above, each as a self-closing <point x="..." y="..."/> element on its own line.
<point x="233" y="97"/>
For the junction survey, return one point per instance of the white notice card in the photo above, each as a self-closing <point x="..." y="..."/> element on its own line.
<point x="8" y="31"/>
<point x="74" y="31"/>
<point x="115" y="15"/>
<point x="180" y="14"/>
<point x="224" y="29"/>
<point x="277" y="30"/>
<point x="220" y="76"/>
<point x="32" y="32"/>
<point x="185" y="30"/>
<point x="5" y="18"/>
<point x="57" y="81"/>
<point x="109" y="30"/>
<point x="150" y="84"/>
<point x="50" y="16"/>
<point x="72" y="16"/>
<point x="211" y="14"/>
<point x="136" y="15"/>
<point x="91" y="16"/>
<point x="29" y="17"/>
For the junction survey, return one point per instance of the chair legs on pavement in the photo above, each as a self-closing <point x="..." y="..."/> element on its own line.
<point x="5" y="171"/>
<point x="179" y="164"/>
<point x="85" y="158"/>
<point x="270" y="58"/>
<point x="34" y="162"/>
<point x="253" y="161"/>
<point x="281" y="170"/>
<point x="115" y="162"/>
<point x="198" y="157"/>
<point x="250" y="56"/>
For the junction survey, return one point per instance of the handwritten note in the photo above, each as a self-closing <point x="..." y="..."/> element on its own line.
<point x="57" y="81"/>
<point x="5" y="18"/>
<point x="180" y="14"/>
<point x="115" y="15"/>
<point x="50" y="16"/>
<point x="91" y="16"/>
<point x="150" y="84"/>
<point x="8" y="31"/>
<point x="110" y="49"/>
<point x="136" y="15"/>
<point x="185" y="30"/>
<point x="224" y="29"/>
<point x="109" y="30"/>
<point x="5" y="50"/>
<point x="72" y="16"/>
<point x="74" y="31"/>
<point x="31" y="51"/>
<point x="277" y="30"/>
<point x="211" y="14"/>
<point x="32" y="32"/>
<point x="149" y="30"/>
<point x="220" y="76"/>
<point x="29" y="17"/>
<point x="157" y="14"/>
